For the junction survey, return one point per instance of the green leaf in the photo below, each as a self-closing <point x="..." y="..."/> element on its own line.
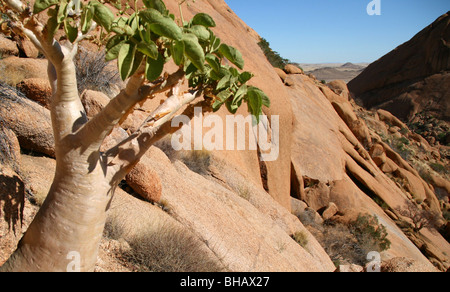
<point x="234" y="72"/>
<point x="149" y="49"/>
<point x="62" y="11"/>
<point x="114" y="41"/>
<point x="242" y="91"/>
<point x="120" y="22"/>
<point x="102" y="15"/>
<point x="86" y="19"/>
<point x="133" y="23"/>
<point x="71" y="31"/>
<point x="264" y="98"/>
<point x="126" y="30"/>
<point x="178" y="52"/>
<point x="232" y="107"/>
<point x="41" y="5"/>
<point x="213" y="61"/>
<point x="161" y="25"/>
<point x="126" y="59"/>
<point x="254" y="103"/>
<point x="190" y="70"/>
<point x="154" y="68"/>
<point x="217" y="105"/>
<point x="138" y="57"/>
<point x="204" y="20"/>
<point x="214" y="43"/>
<point x="194" y="51"/>
<point x="113" y="52"/>
<point x="244" y="77"/>
<point x="52" y="23"/>
<point x="223" y="71"/>
<point x="232" y="54"/>
<point x="224" y="82"/>
<point x="224" y="95"/>
<point x="156" y="4"/>
<point x="256" y="98"/>
<point x="200" y="32"/>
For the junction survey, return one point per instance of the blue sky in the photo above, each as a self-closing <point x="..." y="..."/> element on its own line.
<point x="322" y="31"/>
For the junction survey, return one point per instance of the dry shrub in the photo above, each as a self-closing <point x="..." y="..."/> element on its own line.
<point x="301" y="238"/>
<point x="11" y="75"/>
<point x="421" y="218"/>
<point x="94" y="73"/>
<point x="165" y="145"/>
<point x="197" y="160"/>
<point x="169" y="249"/>
<point x="350" y="243"/>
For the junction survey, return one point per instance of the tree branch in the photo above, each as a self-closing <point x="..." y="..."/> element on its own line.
<point x="124" y="156"/>
<point x="135" y="92"/>
<point x="16" y="5"/>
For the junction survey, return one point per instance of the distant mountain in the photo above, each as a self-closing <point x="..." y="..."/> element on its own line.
<point x="352" y="66"/>
<point x="413" y="78"/>
<point x="334" y="71"/>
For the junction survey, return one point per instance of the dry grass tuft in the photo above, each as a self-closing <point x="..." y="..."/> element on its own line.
<point x="12" y="76"/>
<point x="94" y="73"/>
<point x="169" y="249"/>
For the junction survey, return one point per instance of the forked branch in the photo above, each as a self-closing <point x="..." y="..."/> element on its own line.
<point x="135" y="92"/>
<point x="127" y="153"/>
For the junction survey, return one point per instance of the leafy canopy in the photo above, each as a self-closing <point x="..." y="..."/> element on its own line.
<point x="151" y="37"/>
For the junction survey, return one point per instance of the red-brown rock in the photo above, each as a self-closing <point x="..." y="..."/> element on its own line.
<point x="411" y="78"/>
<point x="37" y="89"/>
<point x="145" y="181"/>
<point x="94" y="102"/>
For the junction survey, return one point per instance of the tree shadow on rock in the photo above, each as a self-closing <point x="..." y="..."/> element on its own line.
<point x="12" y="199"/>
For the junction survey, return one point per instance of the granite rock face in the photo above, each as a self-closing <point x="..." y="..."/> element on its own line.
<point x="413" y="77"/>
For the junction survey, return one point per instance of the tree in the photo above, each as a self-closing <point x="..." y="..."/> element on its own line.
<point x="420" y="218"/>
<point x="72" y="218"/>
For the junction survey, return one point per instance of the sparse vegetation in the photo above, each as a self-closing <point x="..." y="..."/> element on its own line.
<point x="165" y="206"/>
<point x="244" y="193"/>
<point x="169" y="249"/>
<point x="301" y="238"/>
<point x="94" y="73"/>
<point x="401" y="146"/>
<point x="351" y="242"/>
<point x="11" y="75"/>
<point x="165" y="145"/>
<point x="197" y="160"/>
<point x="438" y="167"/>
<point x="420" y="218"/>
<point x="369" y="233"/>
<point x="431" y="128"/>
<point x="273" y="57"/>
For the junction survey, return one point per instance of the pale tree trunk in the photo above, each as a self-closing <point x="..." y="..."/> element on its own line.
<point x="72" y="217"/>
<point x="66" y="232"/>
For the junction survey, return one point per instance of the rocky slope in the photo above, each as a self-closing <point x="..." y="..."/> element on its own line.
<point x="412" y="78"/>
<point x="350" y="165"/>
<point x="336" y="162"/>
